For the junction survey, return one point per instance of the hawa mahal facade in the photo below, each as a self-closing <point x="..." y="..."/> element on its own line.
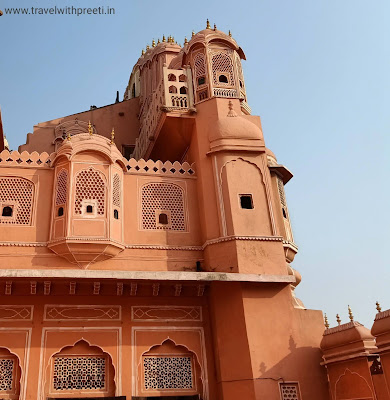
<point x="146" y="250"/>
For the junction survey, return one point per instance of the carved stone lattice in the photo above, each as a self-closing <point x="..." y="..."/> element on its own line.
<point x="289" y="391"/>
<point x="281" y="192"/>
<point x="62" y="187"/>
<point x="222" y="64"/>
<point x="6" y="374"/>
<point x="163" y="196"/>
<point x="116" y="191"/>
<point x="18" y="193"/>
<point x="90" y="186"/>
<point x="79" y="373"/>
<point x="164" y="373"/>
<point x="200" y="65"/>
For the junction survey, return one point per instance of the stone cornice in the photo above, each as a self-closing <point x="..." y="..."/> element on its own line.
<point x="342" y="327"/>
<point x="143" y="275"/>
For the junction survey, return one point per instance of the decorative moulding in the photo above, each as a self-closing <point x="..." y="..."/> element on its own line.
<point x="16" y="313"/>
<point x="166" y="313"/>
<point x="57" y="312"/>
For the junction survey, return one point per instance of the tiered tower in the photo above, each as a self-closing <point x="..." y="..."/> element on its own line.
<point x="158" y="257"/>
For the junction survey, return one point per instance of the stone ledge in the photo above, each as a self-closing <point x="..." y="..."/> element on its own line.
<point x="143" y="275"/>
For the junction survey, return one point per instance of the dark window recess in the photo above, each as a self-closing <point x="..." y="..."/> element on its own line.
<point x="7" y="211"/>
<point x="223" y="78"/>
<point x="89" y="209"/>
<point x="163" y="219"/>
<point x="60" y="211"/>
<point x="183" y="90"/>
<point x="116" y="214"/>
<point x="284" y="213"/>
<point x="201" y="80"/>
<point x="127" y="150"/>
<point x="133" y="91"/>
<point x="241" y="85"/>
<point x="246" y="201"/>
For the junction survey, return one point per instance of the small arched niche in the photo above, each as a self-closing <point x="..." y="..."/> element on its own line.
<point x="170" y="370"/>
<point x="80" y="371"/>
<point x="9" y="375"/>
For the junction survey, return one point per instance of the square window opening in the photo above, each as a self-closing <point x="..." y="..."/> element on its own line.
<point x="246" y="201"/>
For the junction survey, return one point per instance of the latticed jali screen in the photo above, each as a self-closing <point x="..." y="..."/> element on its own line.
<point x="222" y="63"/>
<point x="79" y="373"/>
<point x="163" y="196"/>
<point x="116" y="191"/>
<point x="167" y="373"/>
<point x="90" y="186"/>
<point x="289" y="391"/>
<point x="62" y="187"/>
<point x="18" y="192"/>
<point x="6" y="374"/>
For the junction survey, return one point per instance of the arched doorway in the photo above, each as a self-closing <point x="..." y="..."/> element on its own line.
<point x="81" y="371"/>
<point x="9" y="375"/>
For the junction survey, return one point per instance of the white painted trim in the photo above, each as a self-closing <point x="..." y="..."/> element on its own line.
<point x="24" y="369"/>
<point x="203" y="365"/>
<point x="9" y="306"/>
<point x="166" y="307"/>
<point x="42" y="368"/>
<point x="81" y="307"/>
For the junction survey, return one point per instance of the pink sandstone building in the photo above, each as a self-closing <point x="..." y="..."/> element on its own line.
<point x="146" y="250"/>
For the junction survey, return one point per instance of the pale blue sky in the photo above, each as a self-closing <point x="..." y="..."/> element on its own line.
<point x="317" y="72"/>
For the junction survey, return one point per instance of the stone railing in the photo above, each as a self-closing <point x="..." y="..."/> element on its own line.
<point x="220" y="92"/>
<point x="167" y="168"/>
<point x="25" y="159"/>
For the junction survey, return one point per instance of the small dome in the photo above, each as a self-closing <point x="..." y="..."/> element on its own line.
<point x="234" y="128"/>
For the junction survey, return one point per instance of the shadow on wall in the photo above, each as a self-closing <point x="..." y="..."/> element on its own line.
<point x="306" y="370"/>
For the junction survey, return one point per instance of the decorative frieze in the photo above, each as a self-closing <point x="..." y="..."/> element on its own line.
<point x="55" y="312"/>
<point x="166" y="313"/>
<point x="16" y="313"/>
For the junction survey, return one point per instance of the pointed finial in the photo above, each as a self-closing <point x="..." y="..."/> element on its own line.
<point x="147" y="47"/>
<point x="185" y="40"/>
<point x="68" y="135"/>
<point x="208" y="24"/>
<point x="142" y="52"/>
<point x="112" y="136"/>
<point x="231" y="112"/>
<point x="378" y="306"/>
<point x="215" y="27"/>
<point x="338" y="319"/>
<point x="230" y="34"/>
<point x="193" y="34"/>
<point x="153" y="43"/>
<point x="350" y="313"/>
<point x="90" y="129"/>
<point x="158" y="41"/>
<point x="326" y="322"/>
<point x="163" y="39"/>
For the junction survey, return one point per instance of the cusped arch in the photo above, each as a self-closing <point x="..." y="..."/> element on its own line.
<point x="176" y="366"/>
<point x="78" y="368"/>
<point x="351" y="385"/>
<point x="10" y="374"/>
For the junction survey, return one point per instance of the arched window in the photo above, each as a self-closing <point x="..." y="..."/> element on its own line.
<point x="62" y="187"/>
<point x="7" y="211"/>
<point x="163" y="219"/>
<point x="223" y="79"/>
<point x="60" y="212"/>
<point x="222" y="64"/>
<point x="116" y="214"/>
<point x="183" y="90"/>
<point x="182" y="78"/>
<point x="80" y="369"/>
<point x="177" y="370"/>
<point x="9" y="375"/>
<point x="172" y="89"/>
<point x="172" y="77"/>
<point x="201" y="81"/>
